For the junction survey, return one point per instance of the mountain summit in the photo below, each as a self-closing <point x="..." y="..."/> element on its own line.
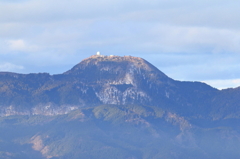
<point x="119" y="80"/>
<point x="99" y="67"/>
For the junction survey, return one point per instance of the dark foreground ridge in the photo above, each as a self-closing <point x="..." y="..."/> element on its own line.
<point x="116" y="107"/>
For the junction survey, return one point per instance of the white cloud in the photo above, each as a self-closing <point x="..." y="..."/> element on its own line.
<point x="167" y="38"/>
<point x="17" y="44"/>
<point x="223" y="84"/>
<point x="10" y="67"/>
<point x="21" y="45"/>
<point x="166" y="26"/>
<point x="214" y="14"/>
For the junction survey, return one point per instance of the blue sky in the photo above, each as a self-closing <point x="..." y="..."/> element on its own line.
<point x="187" y="40"/>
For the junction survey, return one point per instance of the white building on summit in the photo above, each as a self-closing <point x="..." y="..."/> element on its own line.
<point x="99" y="55"/>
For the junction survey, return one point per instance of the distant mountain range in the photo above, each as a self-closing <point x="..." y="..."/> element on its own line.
<point x="116" y="107"/>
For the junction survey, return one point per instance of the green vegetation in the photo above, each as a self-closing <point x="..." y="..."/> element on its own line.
<point x="113" y="131"/>
<point x="120" y="113"/>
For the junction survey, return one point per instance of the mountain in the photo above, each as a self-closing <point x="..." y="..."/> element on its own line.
<point x="115" y="107"/>
<point x="100" y="80"/>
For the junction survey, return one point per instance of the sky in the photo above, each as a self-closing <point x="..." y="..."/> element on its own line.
<point x="187" y="40"/>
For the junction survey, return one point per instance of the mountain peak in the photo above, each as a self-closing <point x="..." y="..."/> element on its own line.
<point x="116" y="65"/>
<point x="119" y="79"/>
<point x="114" y="58"/>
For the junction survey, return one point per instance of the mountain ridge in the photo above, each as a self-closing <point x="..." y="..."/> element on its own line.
<point x="104" y="80"/>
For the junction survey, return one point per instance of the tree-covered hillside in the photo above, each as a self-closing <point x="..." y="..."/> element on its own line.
<point x="111" y="131"/>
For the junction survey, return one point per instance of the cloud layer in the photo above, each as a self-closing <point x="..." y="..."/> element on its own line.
<point x="187" y="40"/>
